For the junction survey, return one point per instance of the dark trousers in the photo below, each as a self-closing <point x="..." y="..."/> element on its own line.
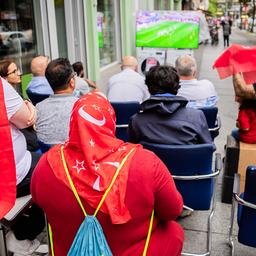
<point x="226" y="40"/>
<point x="32" y="222"/>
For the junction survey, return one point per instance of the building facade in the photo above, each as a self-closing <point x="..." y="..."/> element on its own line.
<point x="96" y="32"/>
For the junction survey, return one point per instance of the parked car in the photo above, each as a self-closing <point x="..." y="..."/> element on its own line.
<point x="16" y="41"/>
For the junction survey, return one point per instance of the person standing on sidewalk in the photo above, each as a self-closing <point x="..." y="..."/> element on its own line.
<point x="226" y="32"/>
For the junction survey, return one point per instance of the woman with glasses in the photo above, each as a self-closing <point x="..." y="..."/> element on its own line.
<point x="10" y="72"/>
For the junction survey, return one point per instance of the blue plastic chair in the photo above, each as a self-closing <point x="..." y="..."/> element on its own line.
<point x="213" y="120"/>
<point x="191" y="168"/>
<point x="246" y="216"/>
<point x="124" y="111"/>
<point x="36" y="97"/>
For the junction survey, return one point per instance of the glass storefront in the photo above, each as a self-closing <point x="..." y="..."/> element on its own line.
<point x="61" y="28"/>
<point x="106" y="22"/>
<point x="161" y="5"/>
<point x="17" y="32"/>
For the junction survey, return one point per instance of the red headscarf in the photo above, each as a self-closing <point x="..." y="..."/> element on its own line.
<point x="93" y="154"/>
<point x="7" y="162"/>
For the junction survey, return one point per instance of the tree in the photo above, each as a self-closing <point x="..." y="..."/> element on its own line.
<point x="212" y="7"/>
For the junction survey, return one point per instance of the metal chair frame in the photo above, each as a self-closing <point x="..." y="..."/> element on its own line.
<point x="235" y="201"/>
<point x="18" y="209"/>
<point x="213" y="175"/>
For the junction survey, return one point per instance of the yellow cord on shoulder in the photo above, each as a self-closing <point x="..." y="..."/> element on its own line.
<point x="112" y="182"/>
<point x="149" y="234"/>
<point x="71" y="182"/>
<point x="51" y="239"/>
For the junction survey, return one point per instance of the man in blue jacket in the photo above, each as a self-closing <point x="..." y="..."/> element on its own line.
<point x="164" y="118"/>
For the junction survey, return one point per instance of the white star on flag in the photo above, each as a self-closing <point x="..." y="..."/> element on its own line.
<point x="91" y="142"/>
<point x="79" y="166"/>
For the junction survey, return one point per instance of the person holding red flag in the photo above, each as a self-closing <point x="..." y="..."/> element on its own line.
<point x="92" y="156"/>
<point x="17" y="165"/>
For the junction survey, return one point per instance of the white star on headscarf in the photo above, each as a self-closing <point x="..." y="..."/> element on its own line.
<point x="96" y="107"/>
<point x="79" y="166"/>
<point x="122" y="148"/>
<point x="92" y="143"/>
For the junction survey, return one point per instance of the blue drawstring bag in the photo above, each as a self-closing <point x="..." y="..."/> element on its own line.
<point x="90" y="240"/>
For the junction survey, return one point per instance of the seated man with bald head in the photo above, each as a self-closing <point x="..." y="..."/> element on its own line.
<point x="128" y="85"/>
<point x="39" y="83"/>
<point x="199" y="93"/>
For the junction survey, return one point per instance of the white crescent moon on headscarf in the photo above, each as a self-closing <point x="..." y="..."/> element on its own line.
<point x="96" y="185"/>
<point x="91" y="119"/>
<point x="116" y="164"/>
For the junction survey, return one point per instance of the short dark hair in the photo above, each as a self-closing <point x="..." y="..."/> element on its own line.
<point x="58" y="73"/>
<point x="162" y="79"/>
<point x="4" y="65"/>
<point x="78" y="67"/>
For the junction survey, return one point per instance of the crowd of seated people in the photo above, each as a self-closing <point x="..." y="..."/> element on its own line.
<point x="86" y="128"/>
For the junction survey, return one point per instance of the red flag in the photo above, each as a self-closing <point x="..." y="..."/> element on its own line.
<point x="7" y="162"/>
<point x="93" y="154"/>
<point x="237" y="59"/>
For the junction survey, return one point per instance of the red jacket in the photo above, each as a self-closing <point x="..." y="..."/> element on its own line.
<point x="149" y="185"/>
<point x="247" y="125"/>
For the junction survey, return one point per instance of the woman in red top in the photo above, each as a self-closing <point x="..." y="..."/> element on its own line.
<point x="93" y="154"/>
<point x="246" y="121"/>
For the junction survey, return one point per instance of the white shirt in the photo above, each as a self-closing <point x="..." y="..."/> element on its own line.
<point x="199" y="93"/>
<point x="128" y="85"/>
<point x="13" y="103"/>
<point x="81" y="87"/>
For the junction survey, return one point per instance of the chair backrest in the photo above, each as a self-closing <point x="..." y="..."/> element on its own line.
<point x="212" y="121"/>
<point x="124" y="111"/>
<point x="188" y="160"/>
<point x="247" y="220"/>
<point x="36" y="97"/>
<point x="25" y="79"/>
<point x="44" y="147"/>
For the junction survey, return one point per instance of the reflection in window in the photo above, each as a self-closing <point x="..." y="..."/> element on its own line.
<point x="107" y="31"/>
<point x="161" y="5"/>
<point x="17" y="35"/>
<point x="61" y="27"/>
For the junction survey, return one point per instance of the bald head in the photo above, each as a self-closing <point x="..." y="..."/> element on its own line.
<point x="129" y="62"/>
<point x="38" y="65"/>
<point x="186" y="66"/>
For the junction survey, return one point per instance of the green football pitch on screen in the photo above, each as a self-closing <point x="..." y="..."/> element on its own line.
<point x="168" y="34"/>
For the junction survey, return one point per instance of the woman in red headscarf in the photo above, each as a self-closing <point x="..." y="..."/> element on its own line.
<point x="93" y="154"/>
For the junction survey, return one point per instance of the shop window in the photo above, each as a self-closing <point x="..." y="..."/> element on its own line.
<point x="161" y="5"/>
<point x="17" y="32"/>
<point x="61" y="27"/>
<point x="106" y="20"/>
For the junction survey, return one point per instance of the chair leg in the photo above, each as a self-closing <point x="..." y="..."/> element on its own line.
<point x="3" y="247"/>
<point x="231" y="226"/>
<point x="209" y="227"/>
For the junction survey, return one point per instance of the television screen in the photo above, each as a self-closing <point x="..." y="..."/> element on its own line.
<point x="99" y="28"/>
<point x="167" y="29"/>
